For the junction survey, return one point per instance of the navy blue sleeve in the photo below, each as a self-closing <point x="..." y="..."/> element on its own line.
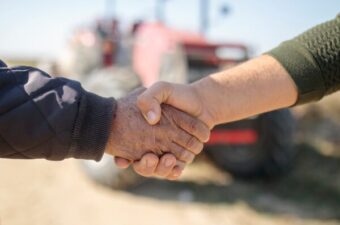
<point x="50" y="118"/>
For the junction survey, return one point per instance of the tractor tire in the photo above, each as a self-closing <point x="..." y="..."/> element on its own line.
<point x="271" y="155"/>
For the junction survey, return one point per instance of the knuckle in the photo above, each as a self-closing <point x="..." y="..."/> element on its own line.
<point x="180" y="165"/>
<point x="190" y="143"/>
<point x="198" y="149"/>
<point x="193" y="125"/>
<point x="176" y="172"/>
<point x="143" y="172"/>
<point x="206" y="136"/>
<point x="162" y="147"/>
<point x="141" y="100"/>
<point x="165" y="86"/>
<point x="187" y="156"/>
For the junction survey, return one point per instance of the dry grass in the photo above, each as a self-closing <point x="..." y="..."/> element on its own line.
<point x="41" y="192"/>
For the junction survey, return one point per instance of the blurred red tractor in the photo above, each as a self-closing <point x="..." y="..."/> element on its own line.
<point x="260" y="145"/>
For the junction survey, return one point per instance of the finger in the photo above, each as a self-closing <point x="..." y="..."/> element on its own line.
<point x="177" y="171"/>
<point x="181" y="153"/>
<point x="175" y="174"/>
<point x="147" y="165"/>
<point x="192" y="125"/>
<point x="149" y="102"/>
<point x="188" y="142"/>
<point x="165" y="165"/>
<point x="122" y="163"/>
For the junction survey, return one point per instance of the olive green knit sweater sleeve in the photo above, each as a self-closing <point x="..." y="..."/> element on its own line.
<point x="313" y="60"/>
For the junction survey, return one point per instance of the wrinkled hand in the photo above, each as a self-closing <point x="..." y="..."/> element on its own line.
<point x="183" y="97"/>
<point x="165" y="167"/>
<point x="132" y="137"/>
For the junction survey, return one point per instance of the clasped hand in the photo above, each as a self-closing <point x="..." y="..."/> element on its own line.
<point x="160" y="147"/>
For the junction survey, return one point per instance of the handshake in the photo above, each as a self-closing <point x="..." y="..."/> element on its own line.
<point x="163" y="128"/>
<point x="159" y="139"/>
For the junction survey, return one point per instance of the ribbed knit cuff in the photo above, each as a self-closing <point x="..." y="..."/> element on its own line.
<point x="93" y="126"/>
<point x="302" y="67"/>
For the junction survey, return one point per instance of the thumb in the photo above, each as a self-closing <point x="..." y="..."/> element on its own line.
<point x="149" y="102"/>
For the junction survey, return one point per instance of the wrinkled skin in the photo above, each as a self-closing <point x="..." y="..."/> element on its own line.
<point x="150" y="165"/>
<point x="132" y="137"/>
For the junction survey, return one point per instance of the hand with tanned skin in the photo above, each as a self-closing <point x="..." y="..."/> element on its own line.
<point x="301" y="70"/>
<point x="254" y="87"/>
<point x="176" y="132"/>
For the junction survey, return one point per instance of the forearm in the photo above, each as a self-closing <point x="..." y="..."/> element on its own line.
<point x="313" y="60"/>
<point x="257" y="86"/>
<point x="301" y="70"/>
<point x="50" y="118"/>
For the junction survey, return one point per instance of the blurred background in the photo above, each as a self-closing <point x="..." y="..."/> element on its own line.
<point x="277" y="168"/>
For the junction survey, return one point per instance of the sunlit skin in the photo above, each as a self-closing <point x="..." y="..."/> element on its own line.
<point x="177" y="133"/>
<point x="257" y="86"/>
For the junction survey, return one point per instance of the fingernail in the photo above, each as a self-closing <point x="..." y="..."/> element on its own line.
<point x="168" y="162"/>
<point x="151" y="116"/>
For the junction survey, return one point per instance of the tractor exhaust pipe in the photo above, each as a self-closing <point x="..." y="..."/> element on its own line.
<point x="160" y="11"/>
<point x="204" y="15"/>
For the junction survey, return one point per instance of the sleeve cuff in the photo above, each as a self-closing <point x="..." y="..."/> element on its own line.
<point x="92" y="129"/>
<point x="303" y="69"/>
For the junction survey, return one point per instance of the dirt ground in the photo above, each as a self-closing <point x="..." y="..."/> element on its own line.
<point x="59" y="193"/>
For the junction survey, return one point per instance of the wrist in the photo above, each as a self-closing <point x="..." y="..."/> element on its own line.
<point x="110" y="145"/>
<point x="203" y="90"/>
<point x="254" y="87"/>
<point x="222" y="94"/>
